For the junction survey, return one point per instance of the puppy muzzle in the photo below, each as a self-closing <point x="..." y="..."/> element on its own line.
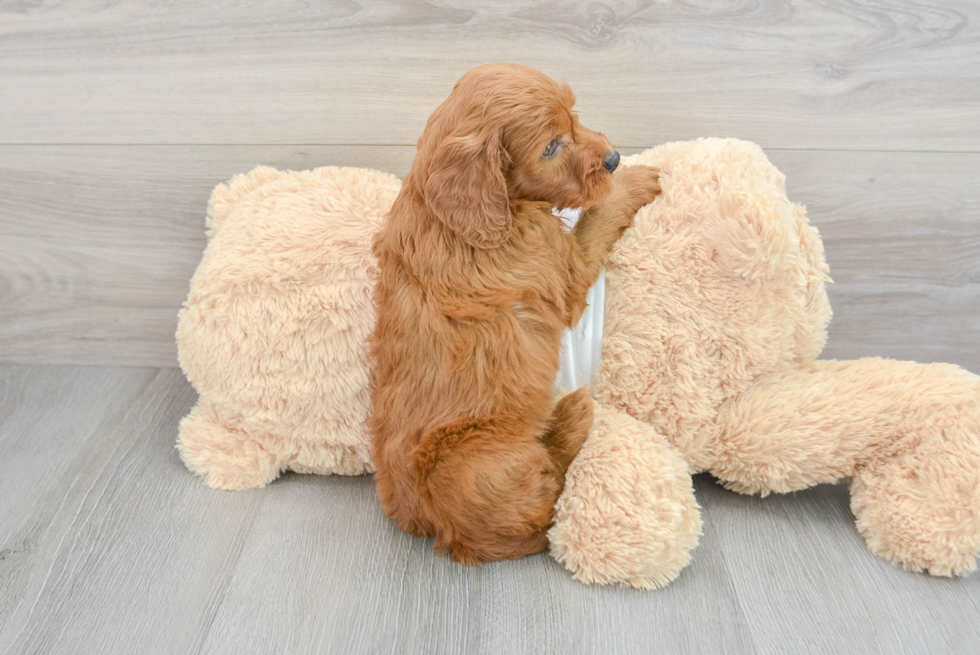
<point x="610" y="161"/>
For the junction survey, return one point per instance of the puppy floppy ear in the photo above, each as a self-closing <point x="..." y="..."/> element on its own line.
<point x="466" y="188"/>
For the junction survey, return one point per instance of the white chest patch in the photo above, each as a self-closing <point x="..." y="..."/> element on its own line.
<point x="581" y="347"/>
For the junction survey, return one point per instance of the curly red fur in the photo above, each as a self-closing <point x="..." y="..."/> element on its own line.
<point x="477" y="281"/>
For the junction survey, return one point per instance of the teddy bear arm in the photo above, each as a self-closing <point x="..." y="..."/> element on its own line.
<point x="627" y="514"/>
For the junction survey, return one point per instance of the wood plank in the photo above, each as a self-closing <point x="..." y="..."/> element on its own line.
<point x="98" y="244"/>
<point x="130" y="553"/>
<point x="125" y="551"/>
<point x="808" y="584"/>
<point x="325" y="571"/>
<point x="46" y="415"/>
<point x="826" y="74"/>
<point x="902" y="237"/>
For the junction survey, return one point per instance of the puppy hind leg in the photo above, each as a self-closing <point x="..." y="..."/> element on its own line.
<point x="397" y="489"/>
<point x="490" y="487"/>
<point x="570" y="423"/>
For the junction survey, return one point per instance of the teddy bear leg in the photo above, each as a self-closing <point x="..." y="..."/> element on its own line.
<point x="907" y="434"/>
<point x="921" y="508"/>
<point x="627" y="514"/>
<point x="224" y="458"/>
<point x="317" y="458"/>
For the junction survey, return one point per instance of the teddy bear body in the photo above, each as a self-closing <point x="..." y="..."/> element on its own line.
<point x="273" y="333"/>
<point x="715" y="313"/>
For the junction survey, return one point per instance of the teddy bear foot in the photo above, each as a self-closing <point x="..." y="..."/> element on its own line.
<point x="627" y="514"/>
<point x="922" y="510"/>
<point x="224" y="458"/>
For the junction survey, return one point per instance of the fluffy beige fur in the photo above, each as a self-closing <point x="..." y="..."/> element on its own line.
<point x="273" y="333"/>
<point x="715" y="314"/>
<point x="628" y="513"/>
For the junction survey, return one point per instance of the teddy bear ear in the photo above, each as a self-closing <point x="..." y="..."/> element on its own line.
<point x="226" y="196"/>
<point x="754" y="233"/>
<point x="811" y="333"/>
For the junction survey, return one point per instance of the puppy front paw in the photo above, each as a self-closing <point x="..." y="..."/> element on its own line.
<point x="636" y="186"/>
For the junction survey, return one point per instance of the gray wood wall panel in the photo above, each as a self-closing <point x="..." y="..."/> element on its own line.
<point x="98" y="244"/>
<point x="100" y="230"/>
<point x="836" y="74"/>
<point x="902" y="237"/>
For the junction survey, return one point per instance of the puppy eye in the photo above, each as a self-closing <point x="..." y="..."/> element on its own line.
<point x="552" y="149"/>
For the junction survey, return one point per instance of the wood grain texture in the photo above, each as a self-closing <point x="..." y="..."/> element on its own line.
<point x="902" y="75"/>
<point x="807" y="583"/>
<point x="98" y="244"/>
<point x="108" y="545"/>
<point x="118" y="117"/>
<point x="358" y="585"/>
<point x="119" y="553"/>
<point x="902" y="237"/>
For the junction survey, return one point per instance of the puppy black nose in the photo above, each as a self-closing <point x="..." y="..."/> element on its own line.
<point x="611" y="161"/>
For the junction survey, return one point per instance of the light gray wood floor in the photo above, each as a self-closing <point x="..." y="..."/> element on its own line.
<point x="110" y="546"/>
<point x="118" y="117"/>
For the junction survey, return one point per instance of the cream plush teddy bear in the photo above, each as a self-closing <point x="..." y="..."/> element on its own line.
<point x="715" y="312"/>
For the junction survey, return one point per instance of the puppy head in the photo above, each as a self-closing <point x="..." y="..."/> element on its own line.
<point x="508" y="132"/>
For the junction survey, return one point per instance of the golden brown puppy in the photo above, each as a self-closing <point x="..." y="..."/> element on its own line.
<point x="477" y="282"/>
